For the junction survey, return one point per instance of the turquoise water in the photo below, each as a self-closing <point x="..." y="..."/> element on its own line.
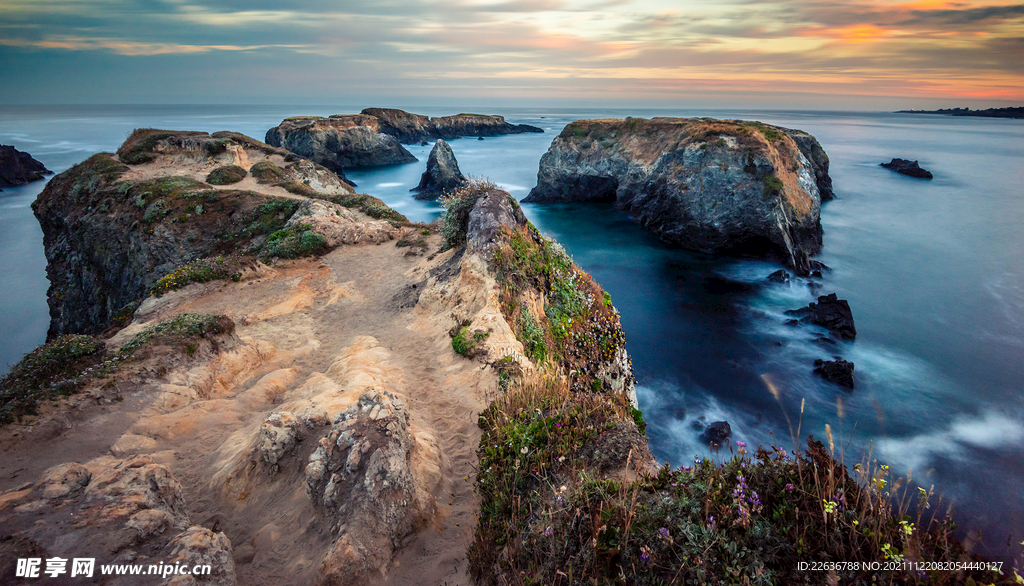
<point x="932" y="271"/>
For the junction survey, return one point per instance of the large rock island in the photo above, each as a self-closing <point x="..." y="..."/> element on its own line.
<point x="375" y="136"/>
<point x="721" y="186"/>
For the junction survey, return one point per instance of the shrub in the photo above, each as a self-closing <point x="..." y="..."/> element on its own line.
<point x="199" y="271"/>
<point x="180" y="329"/>
<point x="226" y="175"/>
<point x="457" y="205"/>
<point x="772" y="185"/>
<point x="266" y="172"/>
<point x="293" y="242"/>
<point x="156" y="211"/>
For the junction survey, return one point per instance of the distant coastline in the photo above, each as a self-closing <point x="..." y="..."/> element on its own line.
<point x="990" y="113"/>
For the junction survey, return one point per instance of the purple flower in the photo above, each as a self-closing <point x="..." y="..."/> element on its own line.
<point x="663" y="532"/>
<point x="548" y="532"/>
<point x="741" y="444"/>
<point x="789" y="488"/>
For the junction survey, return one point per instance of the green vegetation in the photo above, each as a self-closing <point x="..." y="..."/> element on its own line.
<point x="578" y="328"/>
<point x="155" y="211"/>
<point x="301" y="189"/>
<point x="369" y="205"/>
<point x="293" y="242"/>
<point x="51" y="370"/>
<point x="266" y="172"/>
<point x="772" y="185"/>
<point x="225" y="175"/>
<point x="125" y="315"/>
<point x="457" y="205"/>
<point x="464" y="343"/>
<point x="139" y="147"/>
<point x="181" y="329"/>
<point x="554" y="511"/>
<point x="199" y="271"/>
<point x="270" y="216"/>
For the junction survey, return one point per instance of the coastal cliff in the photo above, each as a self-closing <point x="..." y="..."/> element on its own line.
<point x="721" y="186"/>
<point x="111" y="230"/>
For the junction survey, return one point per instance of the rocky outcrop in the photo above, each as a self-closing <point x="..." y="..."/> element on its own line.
<point x="831" y="313"/>
<point x="363" y="477"/>
<point x="718" y="186"/>
<point x="116" y="511"/>
<point x="339" y="142"/>
<point x="413" y="128"/>
<point x="111" y="230"/>
<point x="908" y="168"/>
<point x="442" y="173"/>
<point x="18" y="168"/>
<point x="375" y="136"/>
<point x="836" y="371"/>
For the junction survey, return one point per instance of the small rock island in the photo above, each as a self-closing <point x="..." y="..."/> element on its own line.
<point x="908" y="168"/>
<point x="18" y="168"/>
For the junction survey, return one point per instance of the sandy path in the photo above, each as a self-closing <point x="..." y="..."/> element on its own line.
<point x="311" y="311"/>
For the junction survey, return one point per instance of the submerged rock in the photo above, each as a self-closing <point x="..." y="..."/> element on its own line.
<point x="718" y="186"/>
<point x="831" y="313"/>
<point x="18" y="168"/>
<point x="909" y="168"/>
<point x="779" y="276"/>
<point x="442" y="173"/>
<point x="835" y="371"/>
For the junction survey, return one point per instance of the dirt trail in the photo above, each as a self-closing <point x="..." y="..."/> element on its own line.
<point x="311" y="330"/>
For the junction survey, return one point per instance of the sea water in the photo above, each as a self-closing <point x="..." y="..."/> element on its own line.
<point x="933" y="272"/>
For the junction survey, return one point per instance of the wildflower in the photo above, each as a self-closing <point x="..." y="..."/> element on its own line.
<point x="789" y="488"/>
<point x="524" y="450"/>
<point x="663" y="533"/>
<point x="645" y="553"/>
<point x="548" y="532"/>
<point x="741" y="444"/>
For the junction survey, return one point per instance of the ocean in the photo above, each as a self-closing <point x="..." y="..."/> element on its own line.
<point x="931" y="269"/>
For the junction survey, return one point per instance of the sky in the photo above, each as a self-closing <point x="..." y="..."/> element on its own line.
<point x="860" y="54"/>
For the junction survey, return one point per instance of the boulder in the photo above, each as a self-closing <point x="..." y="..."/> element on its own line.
<point x="835" y="371"/>
<point x="442" y="173"/>
<point x="908" y="168"/>
<point x="18" y="168"/>
<point x="363" y="478"/>
<point x="717" y="434"/>
<point x="831" y="313"/>
<point x="779" y="276"/>
<point x="716" y="186"/>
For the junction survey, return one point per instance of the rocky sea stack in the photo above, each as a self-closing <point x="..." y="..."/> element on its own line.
<point x="718" y="186"/>
<point x="18" y="168"/>
<point x="442" y="172"/>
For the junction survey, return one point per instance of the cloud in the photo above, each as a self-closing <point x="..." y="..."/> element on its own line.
<point x="923" y="48"/>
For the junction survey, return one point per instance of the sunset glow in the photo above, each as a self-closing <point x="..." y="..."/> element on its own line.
<point x="545" y="49"/>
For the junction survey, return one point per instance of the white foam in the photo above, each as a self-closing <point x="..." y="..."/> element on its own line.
<point x="989" y="431"/>
<point x="389" y="185"/>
